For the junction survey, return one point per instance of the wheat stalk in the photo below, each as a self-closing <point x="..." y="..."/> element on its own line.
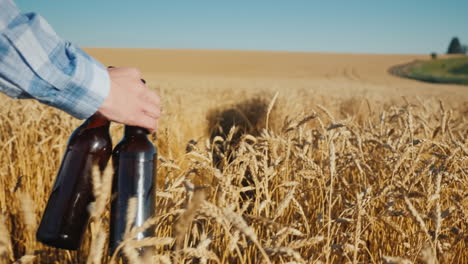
<point x="270" y="107"/>
<point x="101" y="190"/>
<point x="6" y="248"/>
<point x="330" y="197"/>
<point x="286" y="251"/>
<point x="419" y="220"/>
<point x="187" y="217"/>
<point x="284" y="203"/>
<point x="242" y="226"/>
<point x="357" y="233"/>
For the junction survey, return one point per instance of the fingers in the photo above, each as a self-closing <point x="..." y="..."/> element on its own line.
<point x="152" y="98"/>
<point x="151" y="102"/>
<point x="147" y="122"/>
<point x="151" y="106"/>
<point x="141" y="89"/>
<point x="130" y="101"/>
<point x="151" y="110"/>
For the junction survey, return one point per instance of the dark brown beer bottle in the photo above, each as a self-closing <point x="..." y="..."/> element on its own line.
<point x="134" y="160"/>
<point x="66" y="215"/>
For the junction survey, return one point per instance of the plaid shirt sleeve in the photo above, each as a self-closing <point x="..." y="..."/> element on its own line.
<point x="36" y="63"/>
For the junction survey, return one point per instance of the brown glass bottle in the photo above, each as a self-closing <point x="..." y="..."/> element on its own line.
<point x="66" y="215"/>
<point x="134" y="160"/>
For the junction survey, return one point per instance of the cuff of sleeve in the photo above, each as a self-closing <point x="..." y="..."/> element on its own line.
<point x="86" y="91"/>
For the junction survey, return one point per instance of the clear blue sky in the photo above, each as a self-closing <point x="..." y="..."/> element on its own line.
<point x="398" y="26"/>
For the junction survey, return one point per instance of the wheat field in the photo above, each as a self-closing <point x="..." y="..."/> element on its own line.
<point x="264" y="157"/>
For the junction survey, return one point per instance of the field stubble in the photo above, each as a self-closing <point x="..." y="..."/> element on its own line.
<point x="304" y="177"/>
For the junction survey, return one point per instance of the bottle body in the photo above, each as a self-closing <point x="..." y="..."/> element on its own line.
<point x="134" y="160"/>
<point x="66" y="215"/>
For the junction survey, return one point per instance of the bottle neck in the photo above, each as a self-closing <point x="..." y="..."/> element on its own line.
<point x="96" y="121"/>
<point x="135" y="131"/>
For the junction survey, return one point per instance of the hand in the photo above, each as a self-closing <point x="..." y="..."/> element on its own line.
<point x="129" y="101"/>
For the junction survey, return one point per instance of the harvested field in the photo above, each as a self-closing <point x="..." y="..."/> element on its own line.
<point x="332" y="160"/>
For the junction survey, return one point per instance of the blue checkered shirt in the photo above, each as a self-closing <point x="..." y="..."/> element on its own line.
<point x="36" y="63"/>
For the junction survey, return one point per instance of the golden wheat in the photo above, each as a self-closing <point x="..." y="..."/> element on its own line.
<point x="294" y="176"/>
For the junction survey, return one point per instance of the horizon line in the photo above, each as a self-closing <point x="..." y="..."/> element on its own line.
<point x="255" y="50"/>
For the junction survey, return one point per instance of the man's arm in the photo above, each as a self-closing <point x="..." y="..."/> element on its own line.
<point x="36" y="63"/>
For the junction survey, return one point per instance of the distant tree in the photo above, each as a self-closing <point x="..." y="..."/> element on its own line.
<point x="433" y="55"/>
<point x="455" y="47"/>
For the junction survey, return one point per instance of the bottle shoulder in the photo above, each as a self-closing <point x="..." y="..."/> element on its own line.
<point x="135" y="144"/>
<point x="90" y="140"/>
